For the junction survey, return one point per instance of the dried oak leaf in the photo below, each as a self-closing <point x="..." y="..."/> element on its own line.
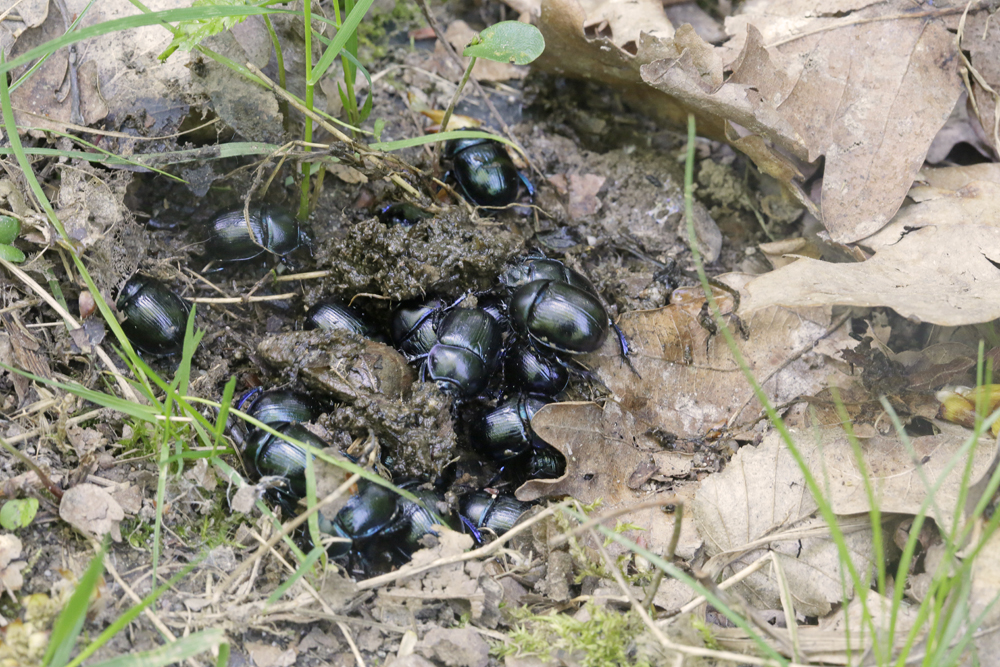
<point x="604" y="450"/>
<point x="10" y="566"/>
<point x="687" y="381"/>
<point x="953" y="196"/>
<point x="981" y="38"/>
<point x="940" y="274"/>
<point x="761" y="492"/>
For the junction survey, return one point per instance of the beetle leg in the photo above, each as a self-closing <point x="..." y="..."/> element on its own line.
<point x="624" y="348"/>
<point x="527" y="185"/>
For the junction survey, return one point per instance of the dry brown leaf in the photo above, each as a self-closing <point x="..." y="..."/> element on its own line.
<point x="985" y="588"/>
<point x="91" y="510"/>
<point x="761" y="492"/>
<point x="870" y="95"/>
<point x="945" y="275"/>
<point x="688" y="382"/>
<point x="622" y="22"/>
<point x="975" y="201"/>
<point x="604" y="449"/>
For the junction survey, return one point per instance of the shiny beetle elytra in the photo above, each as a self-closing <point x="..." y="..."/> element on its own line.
<point x="267" y="455"/>
<point x="558" y="316"/>
<point x="276" y="406"/>
<point x="331" y="314"/>
<point x="368" y="513"/>
<point x="484" y="171"/>
<point x="527" y="369"/>
<point x="466" y="352"/>
<point x="416" y="519"/>
<point x="546" y="463"/>
<point x="505" y="432"/>
<point x="155" y="317"/>
<point x="413" y="327"/>
<point x="271" y="229"/>
<point x="499" y="514"/>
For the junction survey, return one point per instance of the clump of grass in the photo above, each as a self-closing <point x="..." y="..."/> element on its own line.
<point x="602" y="637"/>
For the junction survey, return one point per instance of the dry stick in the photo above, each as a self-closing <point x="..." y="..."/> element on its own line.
<point x="481" y="552"/>
<point x="792" y="358"/>
<point x="665" y="642"/>
<point x="286" y="529"/>
<point x="126" y="389"/>
<point x="728" y="583"/>
<point x="241" y="299"/>
<point x="654" y="585"/>
<point x="302" y="276"/>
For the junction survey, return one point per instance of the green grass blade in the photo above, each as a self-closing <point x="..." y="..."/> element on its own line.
<point x="137" y="21"/>
<point x="130" y="614"/>
<point x="440" y="136"/>
<point x="175" y="651"/>
<point x="70" y="622"/>
<point x="348" y="29"/>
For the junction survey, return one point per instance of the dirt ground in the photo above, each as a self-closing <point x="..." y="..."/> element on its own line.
<point x="609" y="202"/>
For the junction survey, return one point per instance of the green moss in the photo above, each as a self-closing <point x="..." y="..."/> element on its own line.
<point x="605" y="638"/>
<point x="373" y="30"/>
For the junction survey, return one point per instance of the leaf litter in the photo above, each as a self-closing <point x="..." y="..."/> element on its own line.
<point x="674" y="423"/>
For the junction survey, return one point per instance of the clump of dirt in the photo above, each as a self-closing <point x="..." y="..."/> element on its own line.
<point x="444" y="254"/>
<point x="377" y="391"/>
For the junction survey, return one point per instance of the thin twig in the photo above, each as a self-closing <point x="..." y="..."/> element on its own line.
<point x="241" y="299"/>
<point x="628" y="509"/>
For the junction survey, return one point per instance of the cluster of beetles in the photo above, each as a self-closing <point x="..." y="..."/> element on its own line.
<point x="514" y="348"/>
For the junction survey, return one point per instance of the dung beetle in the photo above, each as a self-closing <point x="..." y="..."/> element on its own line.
<point x="331" y="314"/>
<point x="402" y="214"/>
<point x="413" y="327"/>
<point x="541" y="268"/>
<point x="416" y="519"/>
<point x="271" y="229"/>
<point x="267" y="455"/>
<point x="155" y="317"/>
<point x="558" y="316"/>
<point x="484" y="171"/>
<point x="466" y="352"/>
<point x="276" y="406"/>
<point x="369" y="512"/>
<point x="546" y="463"/>
<point x="505" y="432"/>
<point x="533" y="372"/>
<point x="496" y="513"/>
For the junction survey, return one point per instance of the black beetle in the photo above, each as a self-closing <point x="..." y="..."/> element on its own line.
<point x="484" y="171"/>
<point x="546" y="463"/>
<point x="413" y="327"/>
<point x="331" y="314"/>
<point x="505" y="432"/>
<point x="559" y="316"/>
<point x="466" y="352"/>
<point x="416" y="519"/>
<point x="267" y="455"/>
<point x="527" y="369"/>
<point x="496" y="513"/>
<point x="271" y="229"/>
<point x="370" y="512"/>
<point x="276" y="406"/>
<point x="155" y="317"/>
<point x="402" y="214"/>
<point x="531" y="269"/>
